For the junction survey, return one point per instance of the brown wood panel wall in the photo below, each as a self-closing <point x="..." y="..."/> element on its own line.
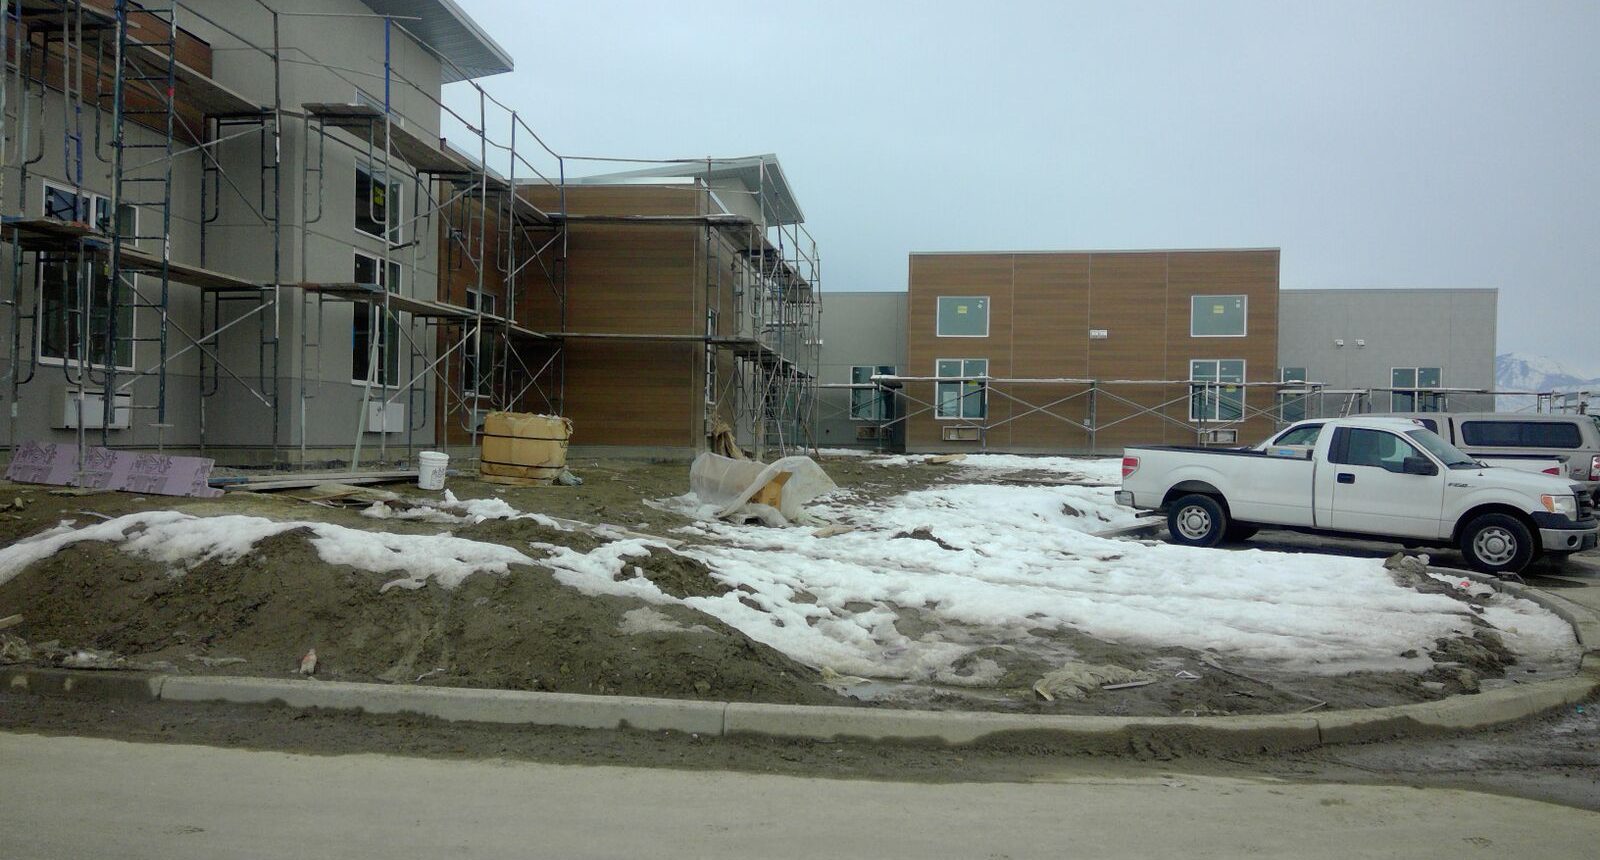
<point x="1042" y="306"/>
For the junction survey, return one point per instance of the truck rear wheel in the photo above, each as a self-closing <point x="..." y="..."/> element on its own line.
<point x="1497" y="543"/>
<point x="1197" y="520"/>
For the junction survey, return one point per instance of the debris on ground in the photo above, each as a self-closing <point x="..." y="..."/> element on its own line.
<point x="105" y="469"/>
<point x="1077" y="680"/>
<point x="14" y="649"/>
<point x="748" y="488"/>
<point x="308" y="663"/>
<point x="10" y="621"/>
<point x="945" y="459"/>
<point x="92" y="658"/>
<point x="568" y="479"/>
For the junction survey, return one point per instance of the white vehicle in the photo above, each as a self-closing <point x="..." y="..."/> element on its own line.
<point x="1385" y="478"/>
<point x="1305" y="433"/>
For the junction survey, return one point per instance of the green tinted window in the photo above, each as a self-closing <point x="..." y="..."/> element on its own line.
<point x="963" y="316"/>
<point x="1217" y="316"/>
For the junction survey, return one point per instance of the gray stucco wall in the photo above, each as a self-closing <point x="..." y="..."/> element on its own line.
<point x="237" y="241"/>
<point x="857" y="328"/>
<point x="1452" y="329"/>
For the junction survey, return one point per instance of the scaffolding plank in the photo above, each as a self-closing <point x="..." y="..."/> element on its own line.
<point x="48" y="234"/>
<point x="366" y="121"/>
<point x="374" y="294"/>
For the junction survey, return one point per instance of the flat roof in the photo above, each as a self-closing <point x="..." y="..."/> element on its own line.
<point x="451" y="33"/>
<point x="1091" y="251"/>
<point x="758" y="173"/>
<point x="1342" y="290"/>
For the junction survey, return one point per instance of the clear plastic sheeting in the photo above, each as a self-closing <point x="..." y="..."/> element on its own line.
<point x="735" y="487"/>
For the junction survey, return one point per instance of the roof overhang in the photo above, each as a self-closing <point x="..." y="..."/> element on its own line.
<point x="466" y="49"/>
<point x="760" y="173"/>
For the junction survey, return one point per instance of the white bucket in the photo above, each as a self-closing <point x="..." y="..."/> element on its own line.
<point x="431" y="466"/>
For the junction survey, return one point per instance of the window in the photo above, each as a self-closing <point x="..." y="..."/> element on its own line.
<point x="60" y="301"/>
<point x="1306" y="435"/>
<point x="1220" y="397"/>
<point x="362" y="324"/>
<point x="1291" y="406"/>
<point x="377" y="204"/>
<point x="963" y="398"/>
<point x="1521" y="434"/>
<point x="1217" y="316"/>
<point x="1375" y="448"/>
<point x="478" y="357"/>
<point x="963" y="316"/>
<point x="1405" y="395"/>
<point x="870" y="404"/>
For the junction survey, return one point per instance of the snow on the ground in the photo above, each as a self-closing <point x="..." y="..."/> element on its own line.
<point x="179" y="539"/>
<point x="848" y="452"/>
<point x="880" y="602"/>
<point x="453" y="510"/>
<point x="1094" y="470"/>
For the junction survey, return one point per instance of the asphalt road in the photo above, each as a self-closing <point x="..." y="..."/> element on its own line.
<point x="65" y="797"/>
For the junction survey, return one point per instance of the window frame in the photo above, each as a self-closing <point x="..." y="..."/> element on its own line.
<point x="472" y="354"/>
<point x="1438" y="400"/>
<point x="1244" y="374"/>
<point x="398" y="271"/>
<point x="938" y="316"/>
<point x="983" y="400"/>
<point x="882" y="400"/>
<point x="91" y="201"/>
<point x="396" y="236"/>
<point x="1339" y="452"/>
<point x="1244" y="310"/>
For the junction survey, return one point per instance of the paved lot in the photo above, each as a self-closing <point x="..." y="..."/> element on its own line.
<point x="175" y="801"/>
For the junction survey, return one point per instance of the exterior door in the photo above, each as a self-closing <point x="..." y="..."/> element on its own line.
<point x="1372" y="493"/>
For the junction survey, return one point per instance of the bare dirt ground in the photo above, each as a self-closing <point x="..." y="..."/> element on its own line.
<point x="524" y="630"/>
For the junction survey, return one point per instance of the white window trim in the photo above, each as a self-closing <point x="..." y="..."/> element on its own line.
<point x="393" y="384"/>
<point x="1244" y="374"/>
<point x="874" y="368"/>
<point x="938" y="316"/>
<point x="957" y="379"/>
<point x="38" y="295"/>
<point x="1415" y="389"/>
<point x="484" y="297"/>
<point x="400" y="202"/>
<point x="1245" y="309"/>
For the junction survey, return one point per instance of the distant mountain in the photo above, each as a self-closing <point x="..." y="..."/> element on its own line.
<point x="1515" y="371"/>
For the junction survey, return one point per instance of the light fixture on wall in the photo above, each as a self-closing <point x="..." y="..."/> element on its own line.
<point x="1360" y="344"/>
<point x="1338" y="342"/>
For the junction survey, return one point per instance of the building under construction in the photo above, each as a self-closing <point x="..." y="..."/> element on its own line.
<point x="236" y="228"/>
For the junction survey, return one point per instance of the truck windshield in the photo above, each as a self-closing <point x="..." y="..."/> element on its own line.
<point x="1445" y="451"/>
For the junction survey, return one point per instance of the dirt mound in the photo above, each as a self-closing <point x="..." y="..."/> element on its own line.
<point x="519" y="631"/>
<point x="679" y="575"/>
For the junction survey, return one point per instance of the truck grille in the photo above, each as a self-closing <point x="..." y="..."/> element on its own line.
<point x="1585" y="502"/>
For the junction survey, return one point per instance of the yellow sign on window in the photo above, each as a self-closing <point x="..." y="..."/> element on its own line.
<point x="961" y="309"/>
<point x="1217" y="309"/>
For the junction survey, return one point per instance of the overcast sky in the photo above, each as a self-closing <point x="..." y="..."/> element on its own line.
<point x="1379" y="144"/>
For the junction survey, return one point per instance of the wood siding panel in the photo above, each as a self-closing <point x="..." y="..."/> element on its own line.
<point x="956" y="275"/>
<point x="1050" y="338"/>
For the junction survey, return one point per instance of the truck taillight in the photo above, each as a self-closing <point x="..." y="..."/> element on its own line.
<point x="1131" y="465"/>
<point x="1553" y="470"/>
<point x="1594" y="468"/>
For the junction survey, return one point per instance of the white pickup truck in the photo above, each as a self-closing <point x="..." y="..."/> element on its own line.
<point x="1385" y="478"/>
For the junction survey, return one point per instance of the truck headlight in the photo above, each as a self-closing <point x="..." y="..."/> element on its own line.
<point x="1567" y="506"/>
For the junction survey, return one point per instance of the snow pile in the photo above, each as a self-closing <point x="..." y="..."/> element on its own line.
<point x="932" y="575"/>
<point x="178" y="539"/>
<point x="453" y="510"/>
<point x="1089" y="470"/>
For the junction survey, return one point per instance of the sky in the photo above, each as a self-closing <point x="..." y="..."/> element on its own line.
<point x="1378" y="144"/>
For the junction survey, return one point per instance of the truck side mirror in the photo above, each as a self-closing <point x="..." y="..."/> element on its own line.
<point x="1419" y="466"/>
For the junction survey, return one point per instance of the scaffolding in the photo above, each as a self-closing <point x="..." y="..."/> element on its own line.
<point x="131" y="106"/>
<point x="119" y="64"/>
<point x="1291" y="401"/>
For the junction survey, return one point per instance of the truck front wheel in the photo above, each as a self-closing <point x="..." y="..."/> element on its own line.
<point x="1497" y="543"/>
<point x="1197" y="520"/>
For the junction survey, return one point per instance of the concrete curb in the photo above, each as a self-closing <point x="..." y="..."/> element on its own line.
<point x="1267" y="733"/>
<point x="1254" y="733"/>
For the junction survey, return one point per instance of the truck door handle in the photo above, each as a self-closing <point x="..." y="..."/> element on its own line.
<point x="1347" y="478"/>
